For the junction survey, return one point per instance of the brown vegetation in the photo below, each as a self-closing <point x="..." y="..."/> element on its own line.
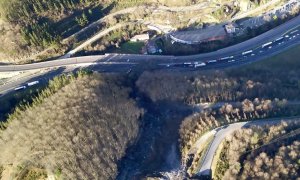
<point x="113" y="39"/>
<point x="80" y="131"/>
<point x="232" y="162"/>
<point x="284" y="164"/>
<point x="196" y="125"/>
<point x="161" y="85"/>
<point x="234" y="85"/>
<point x="236" y="90"/>
<point x="193" y="127"/>
<point x="35" y="29"/>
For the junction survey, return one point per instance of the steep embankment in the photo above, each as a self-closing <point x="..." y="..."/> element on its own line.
<point x="79" y="132"/>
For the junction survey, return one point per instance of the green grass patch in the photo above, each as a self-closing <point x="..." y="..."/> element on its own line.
<point x="284" y="66"/>
<point x="288" y="60"/>
<point x="200" y="156"/>
<point x="222" y="163"/>
<point x="130" y="47"/>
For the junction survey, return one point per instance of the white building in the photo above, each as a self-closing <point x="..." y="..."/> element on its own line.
<point x="140" y="37"/>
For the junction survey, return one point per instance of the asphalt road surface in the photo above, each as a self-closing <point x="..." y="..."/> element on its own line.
<point x="235" y="50"/>
<point x="227" y="130"/>
<point x="46" y="76"/>
<point x="227" y="57"/>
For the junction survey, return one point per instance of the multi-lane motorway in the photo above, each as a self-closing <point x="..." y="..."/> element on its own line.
<point x="232" y="51"/>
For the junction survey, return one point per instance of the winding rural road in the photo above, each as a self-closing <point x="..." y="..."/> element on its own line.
<point x="223" y="132"/>
<point x="95" y="38"/>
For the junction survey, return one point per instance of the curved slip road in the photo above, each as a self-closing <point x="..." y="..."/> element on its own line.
<point x="94" y="38"/>
<point x="227" y="130"/>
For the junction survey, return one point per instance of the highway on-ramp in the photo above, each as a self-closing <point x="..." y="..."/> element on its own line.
<point x="223" y="132"/>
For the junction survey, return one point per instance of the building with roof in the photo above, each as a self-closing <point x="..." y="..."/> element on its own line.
<point x="140" y="37"/>
<point x="230" y="28"/>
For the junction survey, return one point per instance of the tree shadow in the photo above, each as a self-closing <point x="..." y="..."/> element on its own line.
<point x="12" y="99"/>
<point x="159" y="134"/>
<point x="68" y="26"/>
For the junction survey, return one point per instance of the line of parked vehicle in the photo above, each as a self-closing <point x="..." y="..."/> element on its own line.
<point x="242" y="56"/>
<point x="27" y="85"/>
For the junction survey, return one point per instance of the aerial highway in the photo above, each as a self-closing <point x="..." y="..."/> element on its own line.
<point x="265" y="45"/>
<point x="234" y="51"/>
<point x="50" y="73"/>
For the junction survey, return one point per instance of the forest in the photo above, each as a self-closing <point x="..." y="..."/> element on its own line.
<point x="150" y="116"/>
<point x="194" y="126"/>
<point x="39" y="30"/>
<point x="270" y="152"/>
<point x="113" y="40"/>
<point x="78" y="129"/>
<point x="267" y="89"/>
<point x="35" y="26"/>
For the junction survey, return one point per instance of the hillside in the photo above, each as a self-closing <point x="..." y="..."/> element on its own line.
<point x="36" y="30"/>
<point x="261" y="90"/>
<point x="82" y="123"/>
<point x="80" y="132"/>
<point x="270" y="152"/>
<point x="32" y="26"/>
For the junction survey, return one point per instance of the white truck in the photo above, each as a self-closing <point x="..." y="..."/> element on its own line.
<point x="32" y="83"/>
<point x="226" y="58"/>
<point x="266" y="44"/>
<point x="247" y="52"/>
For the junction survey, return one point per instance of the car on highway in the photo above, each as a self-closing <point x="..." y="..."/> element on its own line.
<point x="247" y="52"/>
<point x="226" y="58"/>
<point x="293" y="32"/>
<point x="196" y="65"/>
<point x="279" y="39"/>
<point x="212" y="61"/>
<point x="20" y="88"/>
<point x="188" y="64"/>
